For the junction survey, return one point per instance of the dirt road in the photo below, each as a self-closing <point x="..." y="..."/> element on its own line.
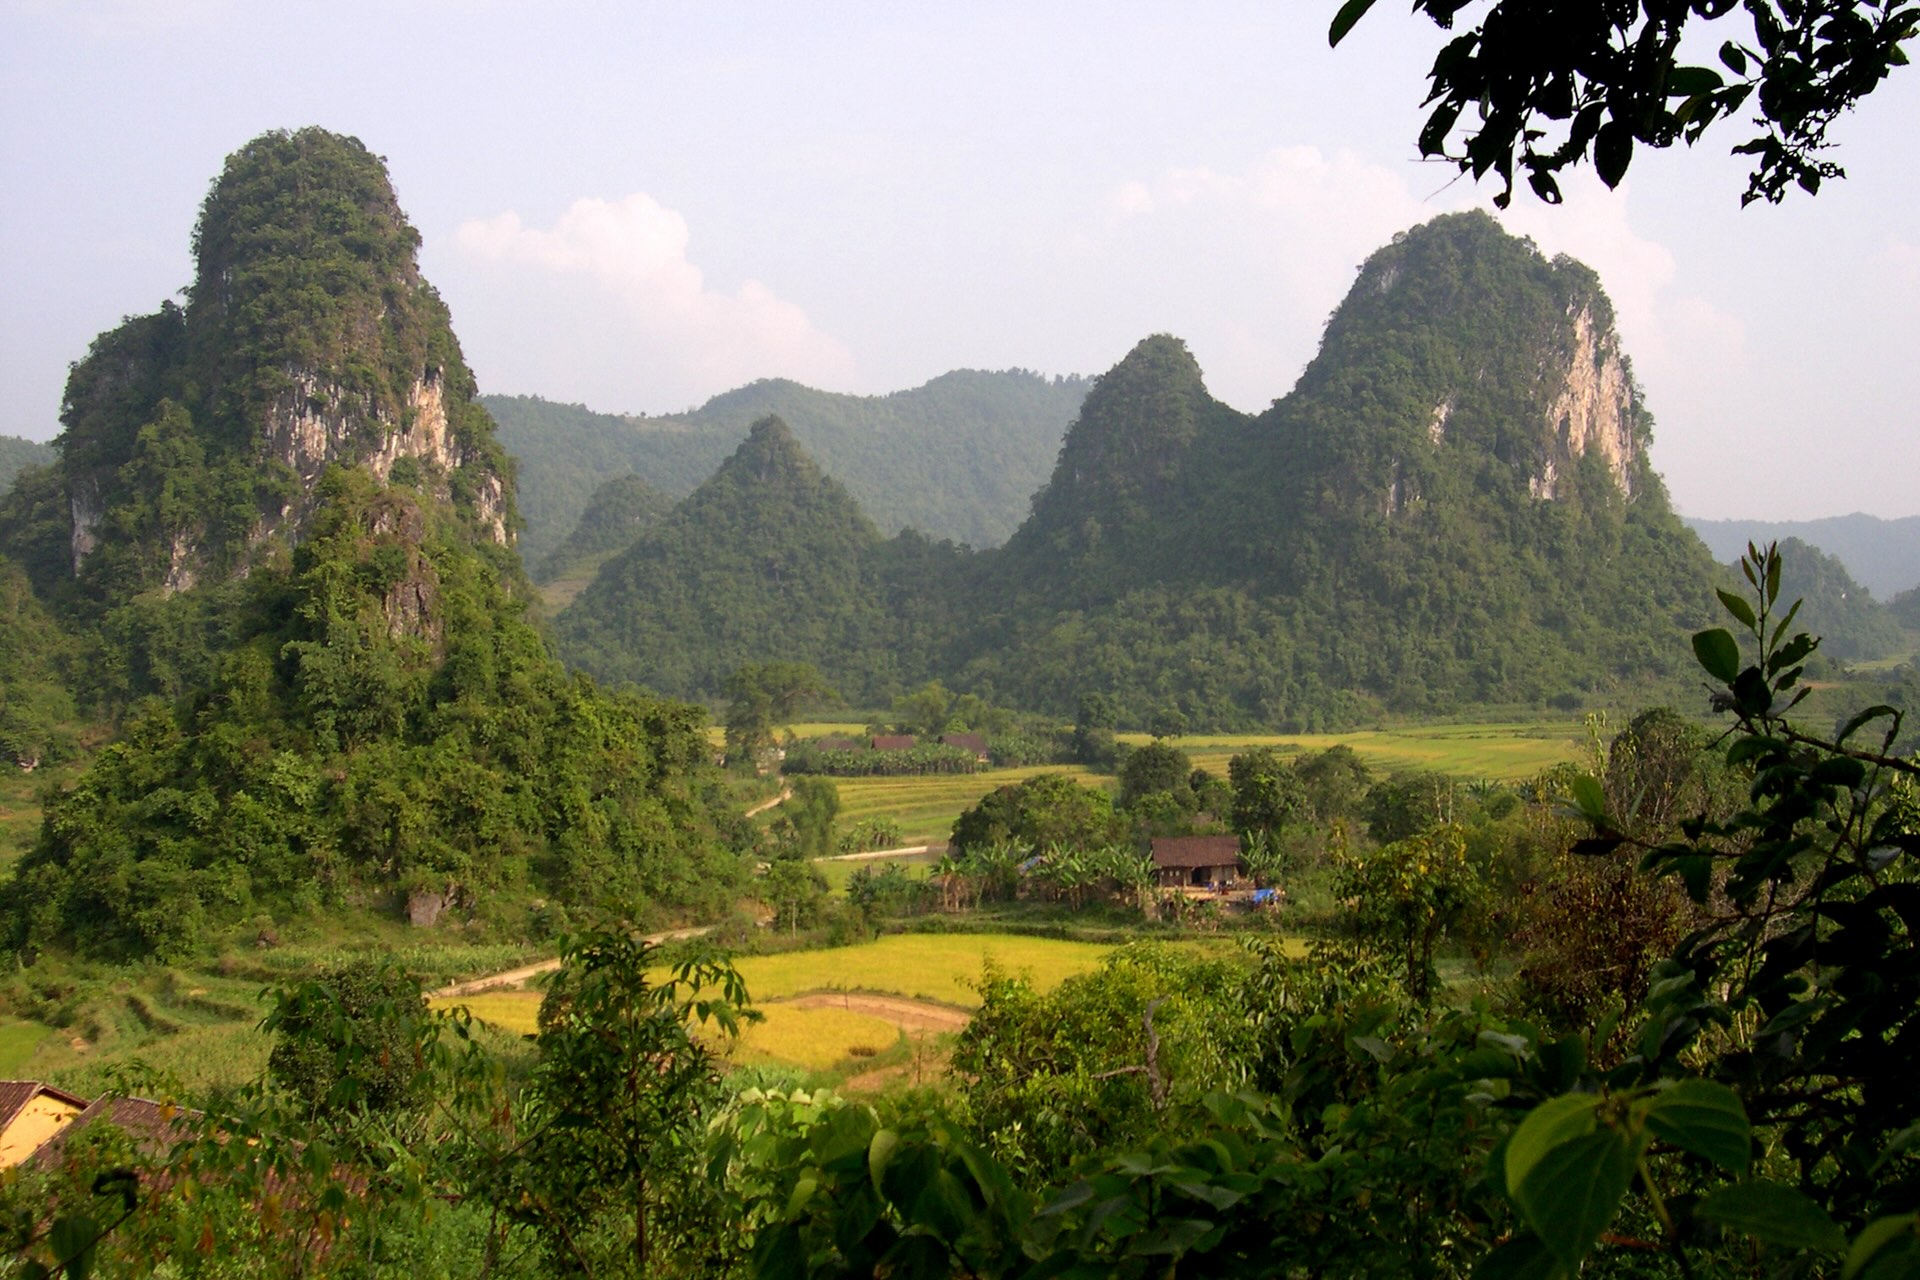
<point x="518" y="977"/>
<point x="902" y="1012"/>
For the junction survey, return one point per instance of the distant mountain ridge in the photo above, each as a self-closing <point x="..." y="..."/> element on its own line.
<point x="1881" y="555"/>
<point x="956" y="458"/>
<point x="17" y="454"/>
<point x="1454" y="506"/>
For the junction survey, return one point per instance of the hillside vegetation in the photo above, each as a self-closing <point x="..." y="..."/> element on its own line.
<point x="277" y="541"/>
<point x="956" y="458"/>
<point x="1453" y="508"/>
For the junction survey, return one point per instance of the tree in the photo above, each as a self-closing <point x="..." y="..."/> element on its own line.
<point x="1546" y="87"/>
<point x="761" y="695"/>
<point x="346" y="1041"/>
<point x="1267" y="795"/>
<point x="1155" y="769"/>
<point x="619" y="1100"/>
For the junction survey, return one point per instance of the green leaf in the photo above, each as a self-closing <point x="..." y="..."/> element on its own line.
<point x="1572" y="1192"/>
<point x="1589" y="796"/>
<point x="1735" y="60"/>
<point x="1718" y="653"/>
<point x="1738" y="607"/>
<point x="1773" y="1214"/>
<point x="1613" y="151"/>
<point x="72" y="1239"/>
<point x="1706" y="1119"/>
<point x="879" y="1151"/>
<point x="1350" y="12"/>
<point x="1522" y="1258"/>
<point x="1876" y="1236"/>
<point x="1553" y="1122"/>
<point x="1684" y="82"/>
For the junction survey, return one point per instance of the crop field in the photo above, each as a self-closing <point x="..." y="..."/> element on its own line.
<point x="926" y="807"/>
<point x="839" y="871"/>
<point x="20" y="806"/>
<point x="1505" y="752"/>
<point x="815" y="1039"/>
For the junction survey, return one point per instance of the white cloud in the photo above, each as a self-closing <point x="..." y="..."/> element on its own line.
<point x="1297" y="221"/>
<point x="619" y="271"/>
<point x="1667" y="331"/>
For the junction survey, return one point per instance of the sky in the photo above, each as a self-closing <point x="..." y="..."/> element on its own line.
<point x="636" y="206"/>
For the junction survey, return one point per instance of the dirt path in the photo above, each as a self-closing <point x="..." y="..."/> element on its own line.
<point x="881" y="853"/>
<point x="786" y="794"/>
<point x="902" y="1012"/>
<point x="518" y="977"/>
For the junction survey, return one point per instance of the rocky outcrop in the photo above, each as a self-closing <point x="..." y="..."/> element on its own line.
<point x="1593" y="410"/>
<point x="315" y="424"/>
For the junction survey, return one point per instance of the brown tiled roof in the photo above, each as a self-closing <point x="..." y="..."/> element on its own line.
<point x="965" y="741"/>
<point x="894" y="742"/>
<point x="1196" y="851"/>
<point x="16" y="1094"/>
<point x="153" y="1126"/>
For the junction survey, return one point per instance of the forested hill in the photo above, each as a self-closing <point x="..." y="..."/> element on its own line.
<point x="770" y="557"/>
<point x="956" y="458"/>
<point x="280" y="510"/>
<point x="1882" y="555"/>
<point x="16" y="455"/>
<point x="1453" y="507"/>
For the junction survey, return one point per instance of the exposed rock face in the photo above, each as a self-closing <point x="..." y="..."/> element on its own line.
<point x="88" y="510"/>
<point x="316" y="423"/>
<point x="1594" y="410"/>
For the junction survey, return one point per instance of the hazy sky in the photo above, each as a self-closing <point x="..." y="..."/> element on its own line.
<point x="636" y="206"/>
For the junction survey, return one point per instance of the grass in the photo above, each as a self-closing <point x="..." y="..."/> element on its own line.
<point x="18" y="1040"/>
<point x="1505" y="752"/>
<point x="926" y="807"/>
<point x="20" y="805"/>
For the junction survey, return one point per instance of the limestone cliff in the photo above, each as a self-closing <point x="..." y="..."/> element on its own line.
<point x="1595" y="409"/>
<point x="197" y="438"/>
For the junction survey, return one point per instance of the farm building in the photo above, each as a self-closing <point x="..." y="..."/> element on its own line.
<point x="967" y="742"/>
<point x="1196" y="861"/>
<point x="30" y="1114"/>
<point x="894" y="742"/>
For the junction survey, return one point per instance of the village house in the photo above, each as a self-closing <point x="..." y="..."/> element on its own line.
<point x="1196" y="862"/>
<point x="31" y="1114"/>
<point x="973" y="742"/>
<point x="894" y="742"/>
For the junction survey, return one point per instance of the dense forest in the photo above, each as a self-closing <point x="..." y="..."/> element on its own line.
<point x="275" y="549"/>
<point x="1454" y="507"/>
<point x="956" y="458"/>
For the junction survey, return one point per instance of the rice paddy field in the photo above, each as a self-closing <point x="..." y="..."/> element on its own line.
<point x="1504" y="752"/>
<point x="926" y="807"/>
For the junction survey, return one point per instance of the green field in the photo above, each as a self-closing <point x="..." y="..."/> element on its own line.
<point x="1505" y="752"/>
<point x="926" y="807"/>
<point x="838" y="872"/>
<point x="18" y="1040"/>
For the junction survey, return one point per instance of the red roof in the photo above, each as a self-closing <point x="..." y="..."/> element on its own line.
<point x="16" y="1094"/>
<point x="1196" y="851"/>
<point x="153" y="1126"/>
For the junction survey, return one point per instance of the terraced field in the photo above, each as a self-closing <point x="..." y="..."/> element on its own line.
<point x="926" y="807"/>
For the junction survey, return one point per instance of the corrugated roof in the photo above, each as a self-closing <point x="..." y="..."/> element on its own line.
<point x="1196" y="851"/>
